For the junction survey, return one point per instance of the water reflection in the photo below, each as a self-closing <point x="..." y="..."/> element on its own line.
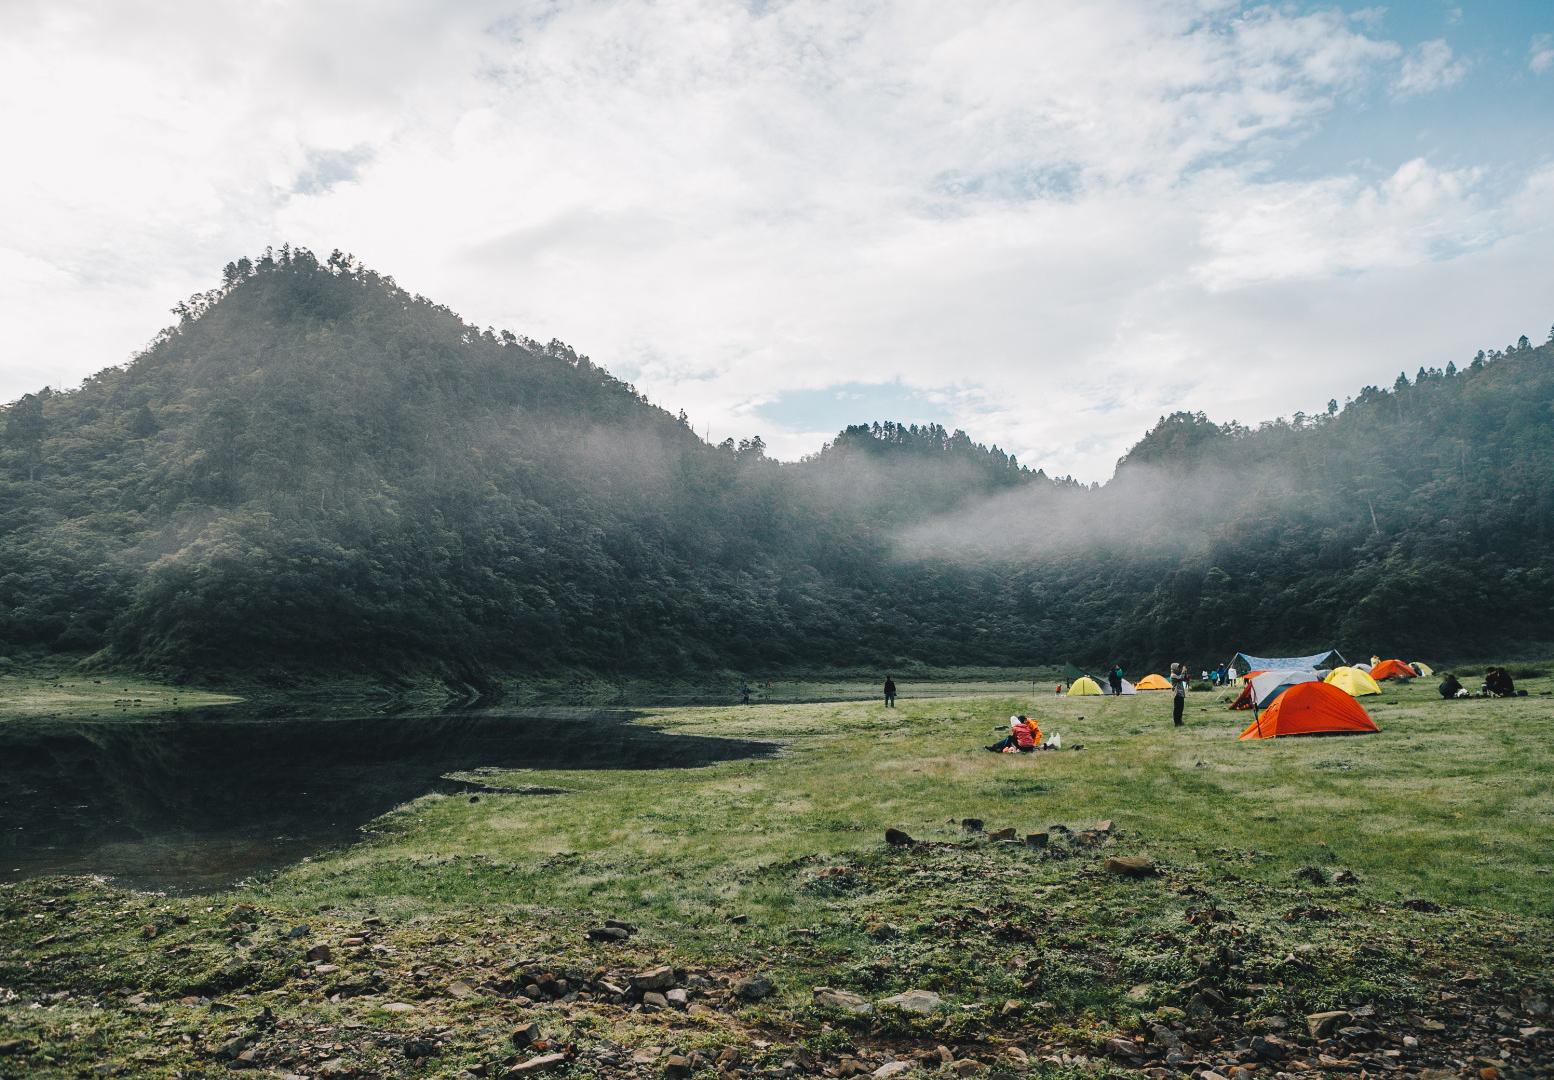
<point x="201" y="799"/>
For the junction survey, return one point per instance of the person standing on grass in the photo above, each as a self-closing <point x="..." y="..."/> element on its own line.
<point x="890" y="692"/>
<point x="1179" y="678"/>
<point x="1115" y="678"/>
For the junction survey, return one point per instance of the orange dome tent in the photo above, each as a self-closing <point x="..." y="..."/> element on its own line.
<point x="1393" y="669"/>
<point x="1311" y="708"/>
<point x="1153" y="682"/>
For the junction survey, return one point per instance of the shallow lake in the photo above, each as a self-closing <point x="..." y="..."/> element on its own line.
<point x="200" y="800"/>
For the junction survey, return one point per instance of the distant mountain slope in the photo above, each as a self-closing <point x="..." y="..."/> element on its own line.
<point x="315" y="471"/>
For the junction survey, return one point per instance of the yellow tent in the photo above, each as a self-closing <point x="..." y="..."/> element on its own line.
<point x="1352" y="681"/>
<point x="1153" y="682"/>
<point x="1084" y="686"/>
<point x="1424" y="669"/>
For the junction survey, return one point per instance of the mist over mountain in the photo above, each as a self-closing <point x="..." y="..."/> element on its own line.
<point x="315" y="471"/>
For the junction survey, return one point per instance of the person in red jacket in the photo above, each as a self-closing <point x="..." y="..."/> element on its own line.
<point x="1024" y="736"/>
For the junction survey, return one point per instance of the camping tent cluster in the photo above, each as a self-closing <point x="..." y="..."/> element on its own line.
<point x="1292" y="695"/>
<point x="1310" y="695"/>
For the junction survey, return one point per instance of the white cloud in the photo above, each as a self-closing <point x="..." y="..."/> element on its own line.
<point x="1540" y="54"/>
<point x="1060" y="219"/>
<point x="1429" y="67"/>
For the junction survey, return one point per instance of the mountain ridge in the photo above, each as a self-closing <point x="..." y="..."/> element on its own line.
<point x="316" y="471"/>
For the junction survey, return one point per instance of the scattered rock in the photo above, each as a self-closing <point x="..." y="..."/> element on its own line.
<point x="543" y="1063"/>
<point x="229" y="1050"/>
<point x="841" y="1000"/>
<point x="739" y="919"/>
<point x="652" y="999"/>
<point x="892" y="1068"/>
<point x="1036" y="839"/>
<point x="1136" y="866"/>
<point x="754" y="987"/>
<point x="420" y="1048"/>
<point x="921" y="1002"/>
<point x="319" y="954"/>
<point x="607" y="933"/>
<point x="971" y="824"/>
<point x="398" y="1007"/>
<point x="677" y="1067"/>
<point x="1321" y="1024"/>
<point x="1311" y="875"/>
<point x="654" y="978"/>
<point x="897" y="838"/>
<point x="526" y="1035"/>
<point x="296" y="932"/>
<point x="678" y="999"/>
<point x="460" y="989"/>
<point x="1429" y="907"/>
<point x="1002" y="834"/>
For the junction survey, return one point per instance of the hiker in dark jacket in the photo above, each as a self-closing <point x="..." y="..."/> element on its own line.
<point x="1179" y="680"/>
<point x="1115" y="678"/>
<point x="890" y="692"/>
<point x="1449" y="686"/>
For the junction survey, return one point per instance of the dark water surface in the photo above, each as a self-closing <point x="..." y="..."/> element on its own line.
<point x="199" y="800"/>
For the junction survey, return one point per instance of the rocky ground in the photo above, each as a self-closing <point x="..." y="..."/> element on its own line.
<point x="1004" y="954"/>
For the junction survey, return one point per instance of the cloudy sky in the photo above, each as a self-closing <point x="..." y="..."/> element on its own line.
<point x="1047" y="222"/>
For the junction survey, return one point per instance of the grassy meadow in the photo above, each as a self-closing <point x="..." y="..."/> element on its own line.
<point x="1403" y="877"/>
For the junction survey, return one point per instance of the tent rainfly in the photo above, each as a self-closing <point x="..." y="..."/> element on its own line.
<point x="1263" y="689"/>
<point x="1352" y="681"/>
<point x="1248" y="662"/>
<point x="1393" y="669"/>
<point x="1311" y="708"/>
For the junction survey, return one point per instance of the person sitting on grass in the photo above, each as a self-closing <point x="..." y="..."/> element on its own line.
<point x="1497" y="683"/>
<point x="1024" y="736"/>
<point x="1450" y="686"/>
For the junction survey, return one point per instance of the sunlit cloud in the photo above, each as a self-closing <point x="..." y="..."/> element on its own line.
<point x="1052" y="224"/>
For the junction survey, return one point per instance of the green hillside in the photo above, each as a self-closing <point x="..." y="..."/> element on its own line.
<point x="315" y="471"/>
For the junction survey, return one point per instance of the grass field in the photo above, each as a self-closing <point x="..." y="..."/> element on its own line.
<point x="1404" y="877"/>
<point x="66" y="694"/>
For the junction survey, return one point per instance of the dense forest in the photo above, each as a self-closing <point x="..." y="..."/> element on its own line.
<point x="315" y="472"/>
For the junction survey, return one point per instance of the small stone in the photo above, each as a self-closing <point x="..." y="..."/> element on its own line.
<point x="1002" y="834"/>
<point x="1036" y="839"/>
<point x="460" y="989"/>
<point x="1136" y="866"/>
<point x="526" y="1035"/>
<point x="971" y="824"/>
<point x="1321" y="1024"/>
<point x="398" y="1007"/>
<point x="897" y="838"/>
<point x="229" y="1050"/>
<point x="965" y="1066"/>
<point x="654" y="978"/>
<point x="607" y="933"/>
<point x="676" y="1067"/>
<point x="420" y="1048"/>
<point x="319" y="953"/>
<point x="921" y="1002"/>
<point x="841" y="1000"/>
<point x="678" y="999"/>
<point x="539" y="1064"/>
<point x="739" y="919"/>
<point x="148" y="931"/>
<point x="652" y="999"/>
<point x="325" y="969"/>
<point x="754" y="987"/>
<point x="1011" y="1007"/>
<point x="892" y="1068"/>
<point x="301" y="931"/>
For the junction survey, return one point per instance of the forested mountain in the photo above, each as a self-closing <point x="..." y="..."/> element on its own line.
<point x="315" y="471"/>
